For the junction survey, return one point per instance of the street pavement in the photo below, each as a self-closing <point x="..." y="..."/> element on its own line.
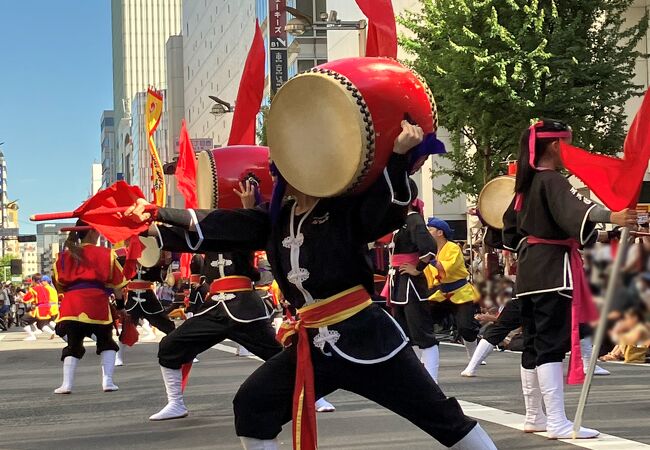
<point x="31" y="417"/>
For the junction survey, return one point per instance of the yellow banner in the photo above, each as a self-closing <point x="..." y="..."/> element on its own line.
<point x="152" y="118"/>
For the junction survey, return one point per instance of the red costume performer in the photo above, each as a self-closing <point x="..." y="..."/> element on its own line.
<point x="86" y="274"/>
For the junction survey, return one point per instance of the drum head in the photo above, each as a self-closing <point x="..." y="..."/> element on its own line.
<point x="150" y="252"/>
<point x="205" y="187"/>
<point x="321" y="153"/>
<point x="494" y="199"/>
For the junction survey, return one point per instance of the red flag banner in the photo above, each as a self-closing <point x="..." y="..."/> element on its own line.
<point x="615" y="181"/>
<point x="111" y="224"/>
<point x="134" y="251"/>
<point x="382" y="30"/>
<point x="249" y="96"/>
<point x="186" y="179"/>
<point x="186" y="168"/>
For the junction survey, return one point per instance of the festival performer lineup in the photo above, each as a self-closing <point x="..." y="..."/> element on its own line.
<point x="311" y="246"/>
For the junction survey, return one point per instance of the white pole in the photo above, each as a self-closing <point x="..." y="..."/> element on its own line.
<point x="602" y="324"/>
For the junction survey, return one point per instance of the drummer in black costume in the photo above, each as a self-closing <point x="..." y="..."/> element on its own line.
<point x="352" y="344"/>
<point x="231" y="309"/>
<point x="199" y="287"/>
<point x="413" y="249"/>
<point x="142" y="302"/>
<point x="546" y="223"/>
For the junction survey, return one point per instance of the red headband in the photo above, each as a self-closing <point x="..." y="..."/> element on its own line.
<point x="542" y="134"/>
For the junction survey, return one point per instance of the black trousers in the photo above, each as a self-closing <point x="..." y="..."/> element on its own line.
<point x="210" y="327"/>
<point x="75" y="332"/>
<point x="416" y="320"/>
<point x="263" y="403"/>
<point x="508" y="320"/>
<point x="467" y="326"/>
<point x="158" y="320"/>
<point x="546" y="319"/>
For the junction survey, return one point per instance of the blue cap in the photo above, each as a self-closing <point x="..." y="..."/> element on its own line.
<point x="441" y="225"/>
<point x="46" y="278"/>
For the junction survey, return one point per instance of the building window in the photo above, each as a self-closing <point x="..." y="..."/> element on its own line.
<point x="188" y="73"/>
<point x="187" y="28"/>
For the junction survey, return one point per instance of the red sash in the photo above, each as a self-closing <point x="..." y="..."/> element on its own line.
<point x="583" y="309"/>
<point x="235" y="283"/>
<point x="327" y="312"/>
<point x="396" y="260"/>
<point x="139" y="285"/>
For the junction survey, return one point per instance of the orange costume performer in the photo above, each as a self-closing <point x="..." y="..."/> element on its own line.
<point x="86" y="274"/>
<point x="39" y="298"/>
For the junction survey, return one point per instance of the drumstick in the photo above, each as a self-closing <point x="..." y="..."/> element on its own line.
<point x="639" y="233"/>
<point x="73" y="215"/>
<point x="602" y="325"/>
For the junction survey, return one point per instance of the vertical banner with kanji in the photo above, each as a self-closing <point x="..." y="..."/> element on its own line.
<point x="153" y="113"/>
<point x="277" y="44"/>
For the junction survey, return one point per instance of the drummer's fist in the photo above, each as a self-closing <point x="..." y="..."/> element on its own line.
<point x="137" y="212"/>
<point x="625" y="218"/>
<point x="410" y="136"/>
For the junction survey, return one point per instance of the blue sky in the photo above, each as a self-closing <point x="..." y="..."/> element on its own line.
<point x="55" y="81"/>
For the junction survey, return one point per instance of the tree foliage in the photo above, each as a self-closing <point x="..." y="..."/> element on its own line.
<point x="493" y="65"/>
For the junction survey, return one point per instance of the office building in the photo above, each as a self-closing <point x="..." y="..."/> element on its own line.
<point x="29" y="257"/>
<point x="109" y="152"/>
<point x="95" y="178"/>
<point x="48" y="242"/>
<point x="140" y="29"/>
<point x="9" y="215"/>
<point x="216" y="39"/>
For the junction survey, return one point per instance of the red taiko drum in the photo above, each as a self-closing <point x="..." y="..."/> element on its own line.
<point x="220" y="170"/>
<point x="331" y="129"/>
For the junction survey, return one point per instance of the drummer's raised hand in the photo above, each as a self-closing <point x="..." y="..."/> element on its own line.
<point x="137" y="212"/>
<point x="410" y="136"/>
<point x="246" y="194"/>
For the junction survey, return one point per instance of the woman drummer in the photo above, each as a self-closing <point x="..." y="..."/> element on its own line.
<point x="413" y="249"/>
<point x="550" y="221"/>
<point x="86" y="274"/>
<point x="341" y="340"/>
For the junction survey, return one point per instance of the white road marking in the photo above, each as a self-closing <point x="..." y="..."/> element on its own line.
<point x="518" y="354"/>
<point x="2" y="336"/>
<point x="233" y="350"/>
<point x="514" y="420"/>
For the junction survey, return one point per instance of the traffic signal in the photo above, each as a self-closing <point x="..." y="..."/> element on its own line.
<point x="16" y="266"/>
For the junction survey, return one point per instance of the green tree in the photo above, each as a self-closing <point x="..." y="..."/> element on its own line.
<point x="5" y="264"/>
<point x="261" y="128"/>
<point x="493" y="65"/>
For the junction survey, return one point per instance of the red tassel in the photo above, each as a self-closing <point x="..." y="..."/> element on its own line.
<point x="185" y="375"/>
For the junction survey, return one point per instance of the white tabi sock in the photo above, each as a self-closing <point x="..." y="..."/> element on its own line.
<point x="481" y="352"/>
<point x="551" y="383"/>
<point x="431" y="360"/>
